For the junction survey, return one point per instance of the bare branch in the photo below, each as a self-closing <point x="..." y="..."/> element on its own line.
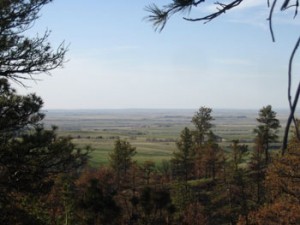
<point x="290" y="71"/>
<point x="294" y="104"/>
<point x="270" y="20"/>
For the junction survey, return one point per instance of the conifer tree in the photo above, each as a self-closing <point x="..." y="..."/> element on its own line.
<point x="30" y="156"/>
<point x="22" y="57"/>
<point x="183" y="159"/>
<point x="266" y="131"/>
<point x="202" y="122"/>
<point x="121" y="159"/>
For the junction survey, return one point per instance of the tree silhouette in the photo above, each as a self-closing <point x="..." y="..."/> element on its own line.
<point x="22" y="57"/>
<point x="183" y="159"/>
<point x="202" y="122"/>
<point x="30" y="156"/>
<point x="266" y="131"/>
<point x="121" y="159"/>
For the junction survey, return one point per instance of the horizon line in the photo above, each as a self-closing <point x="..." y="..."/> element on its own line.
<point x="152" y="108"/>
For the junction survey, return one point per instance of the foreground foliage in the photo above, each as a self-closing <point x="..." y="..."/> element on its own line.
<point x="200" y="185"/>
<point x="42" y="179"/>
<point x="30" y="157"/>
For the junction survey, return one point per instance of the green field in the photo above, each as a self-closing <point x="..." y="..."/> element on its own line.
<point x="152" y="132"/>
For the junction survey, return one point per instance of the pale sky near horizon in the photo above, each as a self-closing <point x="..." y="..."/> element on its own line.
<point x="117" y="60"/>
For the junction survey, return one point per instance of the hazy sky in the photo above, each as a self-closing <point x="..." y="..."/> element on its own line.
<point x="116" y="60"/>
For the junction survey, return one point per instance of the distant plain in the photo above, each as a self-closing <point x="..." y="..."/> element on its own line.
<point x="153" y="132"/>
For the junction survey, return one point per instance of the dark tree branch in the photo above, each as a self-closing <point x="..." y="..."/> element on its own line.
<point x="289" y="121"/>
<point x="294" y="104"/>
<point x="159" y="17"/>
<point x="223" y="8"/>
<point x="286" y="5"/>
<point x="21" y="58"/>
<point x="270" y="20"/>
<point x="290" y="75"/>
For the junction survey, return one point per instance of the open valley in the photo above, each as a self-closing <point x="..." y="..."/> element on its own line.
<point x="153" y="132"/>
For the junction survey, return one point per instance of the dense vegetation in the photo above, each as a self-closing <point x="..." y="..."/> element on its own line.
<point x="201" y="184"/>
<point x="45" y="178"/>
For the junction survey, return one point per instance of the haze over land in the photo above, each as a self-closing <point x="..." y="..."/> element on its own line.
<point x="90" y="119"/>
<point x="153" y="131"/>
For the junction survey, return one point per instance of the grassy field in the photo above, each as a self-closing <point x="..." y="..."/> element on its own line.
<point x="152" y="132"/>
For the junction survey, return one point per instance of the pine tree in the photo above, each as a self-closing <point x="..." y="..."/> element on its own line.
<point x="121" y="159"/>
<point x="21" y="57"/>
<point x="266" y="131"/>
<point x="183" y="159"/>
